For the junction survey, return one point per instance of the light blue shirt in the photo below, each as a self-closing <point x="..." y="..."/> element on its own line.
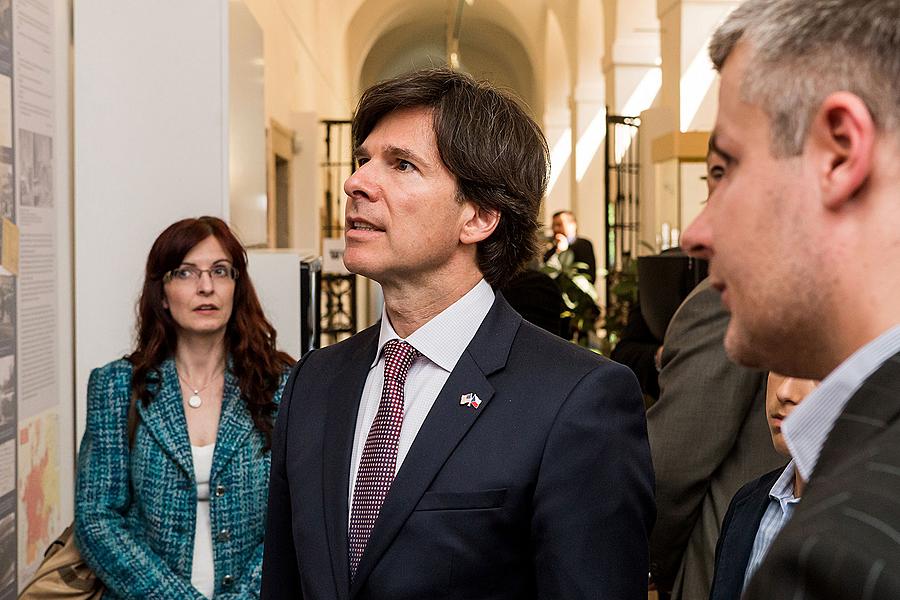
<point x="778" y="513"/>
<point x="807" y="427"/>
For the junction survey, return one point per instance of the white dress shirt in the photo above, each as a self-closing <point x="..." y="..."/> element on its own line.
<point x="807" y="427"/>
<point x="441" y="342"/>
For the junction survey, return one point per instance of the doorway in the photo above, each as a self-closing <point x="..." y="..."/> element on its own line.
<point x="279" y="185"/>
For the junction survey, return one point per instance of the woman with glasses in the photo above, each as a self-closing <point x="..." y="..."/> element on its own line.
<point x="173" y="469"/>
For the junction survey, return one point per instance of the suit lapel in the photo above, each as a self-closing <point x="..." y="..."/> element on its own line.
<point x="235" y="424"/>
<point x="738" y="546"/>
<point x="340" y="426"/>
<point x="164" y="419"/>
<point x="869" y="412"/>
<point x="447" y="423"/>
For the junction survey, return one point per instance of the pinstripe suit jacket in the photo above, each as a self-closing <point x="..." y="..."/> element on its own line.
<point x="843" y="541"/>
<point x="135" y="508"/>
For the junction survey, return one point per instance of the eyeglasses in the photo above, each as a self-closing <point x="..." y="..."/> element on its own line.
<point x="193" y="274"/>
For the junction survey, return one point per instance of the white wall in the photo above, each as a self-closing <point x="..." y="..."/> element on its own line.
<point x="247" y="127"/>
<point x="151" y="147"/>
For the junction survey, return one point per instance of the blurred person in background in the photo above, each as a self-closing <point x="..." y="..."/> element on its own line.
<point x="565" y="237"/>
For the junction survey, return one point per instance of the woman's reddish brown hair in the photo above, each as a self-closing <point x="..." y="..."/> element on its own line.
<point x="249" y="338"/>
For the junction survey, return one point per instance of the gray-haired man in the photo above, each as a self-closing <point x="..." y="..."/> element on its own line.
<point x="802" y="234"/>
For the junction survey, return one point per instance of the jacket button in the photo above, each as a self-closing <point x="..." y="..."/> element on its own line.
<point x="224" y="535"/>
<point x="220" y="490"/>
<point x="227" y="581"/>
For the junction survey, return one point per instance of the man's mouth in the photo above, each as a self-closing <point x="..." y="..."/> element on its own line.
<point x="357" y="225"/>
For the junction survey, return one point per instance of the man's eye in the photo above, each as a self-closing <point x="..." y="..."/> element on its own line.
<point x="361" y="160"/>
<point x="716" y="173"/>
<point x="404" y="165"/>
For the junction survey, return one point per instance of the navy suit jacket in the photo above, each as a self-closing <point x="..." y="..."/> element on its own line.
<point x="544" y="491"/>
<point x="738" y="534"/>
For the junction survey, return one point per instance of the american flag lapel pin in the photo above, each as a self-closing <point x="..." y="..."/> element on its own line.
<point x="470" y="399"/>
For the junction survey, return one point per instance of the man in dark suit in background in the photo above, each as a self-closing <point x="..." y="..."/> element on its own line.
<point x="762" y="507"/>
<point x="453" y="450"/>
<point x="802" y="235"/>
<point x="565" y="237"/>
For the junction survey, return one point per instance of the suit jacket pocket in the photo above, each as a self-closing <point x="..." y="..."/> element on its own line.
<point x="483" y="499"/>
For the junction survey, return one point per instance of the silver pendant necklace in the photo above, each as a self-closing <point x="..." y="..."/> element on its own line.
<point x="195" y="401"/>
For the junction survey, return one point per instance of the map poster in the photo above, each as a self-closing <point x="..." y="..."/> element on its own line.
<point x="38" y="488"/>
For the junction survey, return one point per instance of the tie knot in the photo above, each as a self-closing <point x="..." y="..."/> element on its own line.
<point x="398" y="357"/>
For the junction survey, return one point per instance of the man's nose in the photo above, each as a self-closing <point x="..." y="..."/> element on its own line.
<point x="696" y="240"/>
<point x="362" y="184"/>
<point x="794" y="390"/>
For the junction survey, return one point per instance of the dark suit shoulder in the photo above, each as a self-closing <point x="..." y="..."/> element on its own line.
<point x="844" y="538"/>
<point x="764" y="483"/>
<point x="344" y="349"/>
<point x="558" y="352"/>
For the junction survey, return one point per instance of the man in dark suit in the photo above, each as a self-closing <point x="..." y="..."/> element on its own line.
<point x="760" y="508"/>
<point x="453" y="450"/>
<point x="802" y="235"/>
<point x="565" y="238"/>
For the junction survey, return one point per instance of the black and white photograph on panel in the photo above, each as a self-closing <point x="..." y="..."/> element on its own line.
<point x="36" y="164"/>
<point x="7" y="394"/>
<point x="7" y="191"/>
<point x="6" y="37"/>
<point x="7" y="314"/>
<point x="8" y="556"/>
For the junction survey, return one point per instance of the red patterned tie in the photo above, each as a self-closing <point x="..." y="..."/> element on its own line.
<point x="379" y="457"/>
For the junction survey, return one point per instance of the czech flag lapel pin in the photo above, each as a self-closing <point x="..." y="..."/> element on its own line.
<point x="470" y="399"/>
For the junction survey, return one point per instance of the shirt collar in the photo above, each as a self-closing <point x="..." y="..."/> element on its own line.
<point x="783" y="489"/>
<point x="807" y="427"/>
<point x="445" y="337"/>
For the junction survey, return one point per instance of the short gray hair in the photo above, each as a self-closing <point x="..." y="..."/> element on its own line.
<point x="804" y="50"/>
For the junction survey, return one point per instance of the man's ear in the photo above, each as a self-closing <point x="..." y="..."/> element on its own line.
<point x="842" y="135"/>
<point x="479" y="225"/>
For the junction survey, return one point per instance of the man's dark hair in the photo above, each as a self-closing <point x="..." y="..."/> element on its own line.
<point x="560" y="213"/>
<point x="496" y="152"/>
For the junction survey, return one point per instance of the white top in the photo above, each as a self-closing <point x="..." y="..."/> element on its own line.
<point x="203" y="576"/>
<point x="441" y="341"/>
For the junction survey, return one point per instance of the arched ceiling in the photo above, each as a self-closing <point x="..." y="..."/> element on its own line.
<point x="500" y="40"/>
<point x="486" y="50"/>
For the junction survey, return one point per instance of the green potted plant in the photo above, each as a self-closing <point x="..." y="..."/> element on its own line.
<point x="578" y="294"/>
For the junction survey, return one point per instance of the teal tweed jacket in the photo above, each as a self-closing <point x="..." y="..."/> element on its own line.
<point x="135" y="507"/>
